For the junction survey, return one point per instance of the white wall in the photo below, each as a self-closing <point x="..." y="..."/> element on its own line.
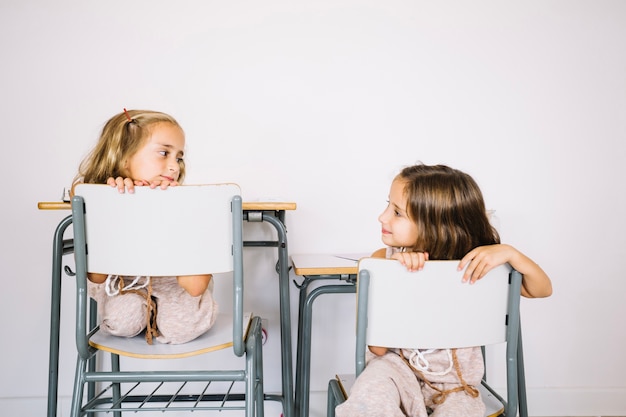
<point x="321" y="103"/>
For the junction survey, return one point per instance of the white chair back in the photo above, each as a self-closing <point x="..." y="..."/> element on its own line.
<point x="184" y="230"/>
<point x="433" y="308"/>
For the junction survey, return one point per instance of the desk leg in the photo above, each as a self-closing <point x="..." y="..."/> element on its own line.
<point x="285" y="315"/>
<point x="302" y="301"/>
<point x="303" y="370"/>
<point x="303" y="292"/>
<point x="58" y="250"/>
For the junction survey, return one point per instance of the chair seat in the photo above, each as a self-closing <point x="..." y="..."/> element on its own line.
<point x="493" y="406"/>
<point x="220" y="336"/>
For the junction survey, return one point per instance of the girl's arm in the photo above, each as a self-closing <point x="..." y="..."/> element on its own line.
<point x="378" y="350"/>
<point x="479" y="261"/>
<point x="97" y="278"/>
<point x="195" y="285"/>
<point x="413" y="261"/>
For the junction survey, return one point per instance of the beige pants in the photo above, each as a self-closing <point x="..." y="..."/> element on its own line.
<point x="180" y="317"/>
<point x="388" y="387"/>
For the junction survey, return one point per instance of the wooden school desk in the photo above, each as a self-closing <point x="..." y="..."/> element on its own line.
<point x="342" y="268"/>
<point x="269" y="212"/>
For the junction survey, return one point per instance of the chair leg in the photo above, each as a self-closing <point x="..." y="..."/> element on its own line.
<point x="330" y="402"/>
<point x="521" y="379"/>
<point x="335" y="397"/>
<point x="77" y="395"/>
<point x="260" y="397"/>
<point x="115" y="367"/>
<point x="93" y="361"/>
<point x="254" y="361"/>
<point x="250" y="393"/>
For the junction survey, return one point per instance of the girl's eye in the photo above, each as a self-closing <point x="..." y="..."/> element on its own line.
<point x="179" y="160"/>
<point x="163" y="153"/>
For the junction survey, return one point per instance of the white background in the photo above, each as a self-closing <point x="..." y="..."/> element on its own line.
<point x="321" y="103"/>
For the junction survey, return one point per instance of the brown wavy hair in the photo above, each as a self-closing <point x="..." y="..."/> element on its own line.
<point x="119" y="140"/>
<point x="448" y="209"/>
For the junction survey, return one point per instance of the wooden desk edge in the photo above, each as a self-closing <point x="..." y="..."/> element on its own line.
<point x="54" y="205"/>
<point x="338" y="270"/>
<point x="268" y="205"/>
<point x="250" y="206"/>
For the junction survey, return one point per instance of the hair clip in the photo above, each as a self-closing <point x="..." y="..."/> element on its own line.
<point x="127" y="115"/>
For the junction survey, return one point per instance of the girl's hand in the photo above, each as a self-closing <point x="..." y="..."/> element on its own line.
<point x="123" y="184"/>
<point x="414" y="261"/>
<point x="128" y="184"/>
<point x="163" y="184"/>
<point x="479" y="261"/>
<point x="483" y="259"/>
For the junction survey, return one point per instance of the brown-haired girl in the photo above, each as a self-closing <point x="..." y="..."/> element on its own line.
<point x="435" y="213"/>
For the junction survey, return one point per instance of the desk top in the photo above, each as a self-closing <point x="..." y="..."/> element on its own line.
<point x="246" y="205"/>
<point x="326" y="264"/>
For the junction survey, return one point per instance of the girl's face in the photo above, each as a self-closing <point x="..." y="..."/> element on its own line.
<point x="160" y="155"/>
<point x="398" y="230"/>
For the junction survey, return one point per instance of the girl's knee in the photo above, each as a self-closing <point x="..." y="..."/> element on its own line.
<point x="368" y="407"/>
<point x="123" y="315"/>
<point x="177" y="334"/>
<point x="181" y="322"/>
<point x="126" y="328"/>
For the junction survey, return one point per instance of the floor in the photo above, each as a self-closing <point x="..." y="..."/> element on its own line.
<point x="272" y="408"/>
<point x="317" y="402"/>
<point x="317" y="406"/>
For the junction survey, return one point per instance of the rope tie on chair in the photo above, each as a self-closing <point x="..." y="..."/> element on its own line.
<point x="115" y="285"/>
<point x="441" y="395"/>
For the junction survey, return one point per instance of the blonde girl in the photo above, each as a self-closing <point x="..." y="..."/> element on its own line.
<point x="145" y="148"/>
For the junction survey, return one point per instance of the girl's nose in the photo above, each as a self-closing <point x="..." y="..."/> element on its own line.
<point x="174" y="167"/>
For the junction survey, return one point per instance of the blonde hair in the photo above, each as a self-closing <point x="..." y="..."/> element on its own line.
<point x="121" y="137"/>
<point x="449" y="210"/>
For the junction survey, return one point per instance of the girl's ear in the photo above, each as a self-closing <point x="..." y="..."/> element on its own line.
<point x="123" y="168"/>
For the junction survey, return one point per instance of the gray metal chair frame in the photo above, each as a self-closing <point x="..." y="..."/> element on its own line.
<point x="112" y="399"/>
<point x="515" y="378"/>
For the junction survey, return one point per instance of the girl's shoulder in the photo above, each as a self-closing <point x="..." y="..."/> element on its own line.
<point x="380" y="253"/>
<point x="386" y="252"/>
